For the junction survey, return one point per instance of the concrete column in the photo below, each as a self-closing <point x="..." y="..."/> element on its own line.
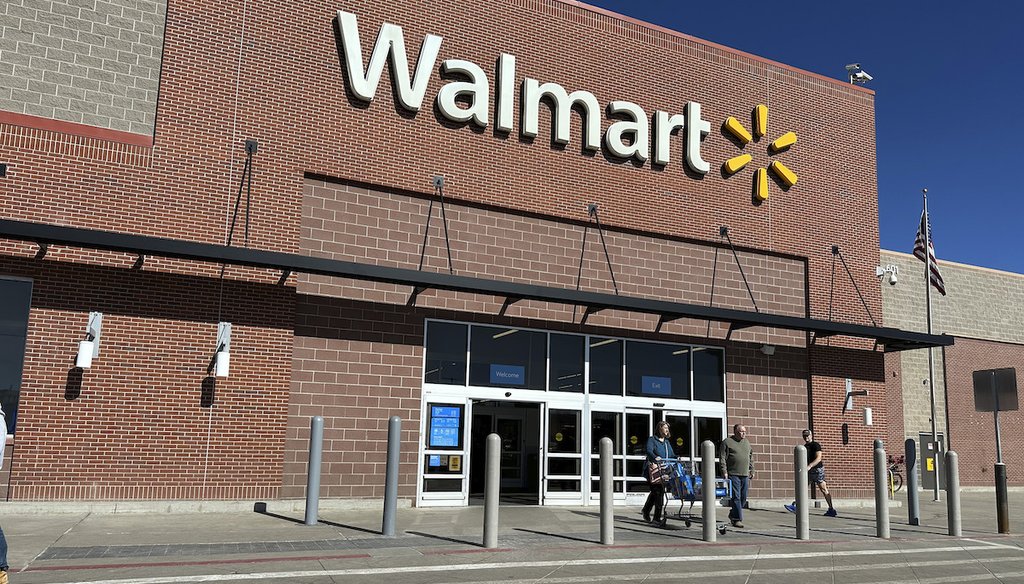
<point x="391" y="477"/>
<point x="316" y="450"/>
<point x="953" y="493"/>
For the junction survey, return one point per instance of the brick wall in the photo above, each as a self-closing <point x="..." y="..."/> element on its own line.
<point x="92" y="62"/>
<point x="971" y="433"/>
<point x="282" y="86"/>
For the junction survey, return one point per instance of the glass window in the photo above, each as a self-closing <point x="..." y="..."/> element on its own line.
<point x="17" y="295"/>
<point x="564" y="466"/>
<point x="679" y="433"/>
<point x="446" y="353"/>
<point x="657" y="370"/>
<point x="605" y="366"/>
<point x="709" y="429"/>
<point x="504" y="357"/>
<point x="567" y="355"/>
<point x="708" y="378"/>
<point x="638" y="430"/>
<point x="564" y="431"/>
<point x="605" y="425"/>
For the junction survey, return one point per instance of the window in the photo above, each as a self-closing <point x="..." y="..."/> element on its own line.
<point x="17" y="295"/>
<point x="504" y="357"/>
<point x="657" y="370"/>
<point x="446" y="353"/>
<point x="605" y="366"/>
<point x="708" y="378"/>
<point x="567" y="355"/>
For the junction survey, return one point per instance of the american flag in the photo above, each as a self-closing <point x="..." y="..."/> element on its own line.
<point x="936" y="277"/>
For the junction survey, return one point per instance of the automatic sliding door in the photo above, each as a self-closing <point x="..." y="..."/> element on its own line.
<point x="606" y="425"/>
<point x="638" y="430"/>
<point x="563" y="472"/>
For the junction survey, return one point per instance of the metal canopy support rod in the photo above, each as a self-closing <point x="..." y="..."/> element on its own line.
<point x="893" y="339"/>
<point x="439" y="191"/>
<point x="723" y="231"/>
<point x="836" y="252"/>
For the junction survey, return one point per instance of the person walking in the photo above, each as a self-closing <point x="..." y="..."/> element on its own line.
<point x="737" y="466"/>
<point x="659" y="450"/>
<point x="815" y="473"/>
<point x="3" y="540"/>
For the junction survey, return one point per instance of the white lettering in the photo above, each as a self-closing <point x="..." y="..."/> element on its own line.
<point x="663" y="127"/>
<point x="640" y="147"/>
<point x="389" y="43"/>
<point x="532" y="94"/>
<point x="506" y="92"/>
<point x="696" y="129"/>
<point x="478" y="89"/>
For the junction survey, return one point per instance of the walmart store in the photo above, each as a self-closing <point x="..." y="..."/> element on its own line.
<point x="567" y="227"/>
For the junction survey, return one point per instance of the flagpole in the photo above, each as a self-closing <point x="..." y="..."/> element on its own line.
<point x="931" y="358"/>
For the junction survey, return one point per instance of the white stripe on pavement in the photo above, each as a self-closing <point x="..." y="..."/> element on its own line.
<point x="561" y="563"/>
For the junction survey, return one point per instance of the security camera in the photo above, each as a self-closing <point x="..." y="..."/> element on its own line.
<point x="862" y="77"/>
<point x="892" y="278"/>
<point x="853" y="67"/>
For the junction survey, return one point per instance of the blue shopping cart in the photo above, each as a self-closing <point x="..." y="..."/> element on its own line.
<point x="687" y="486"/>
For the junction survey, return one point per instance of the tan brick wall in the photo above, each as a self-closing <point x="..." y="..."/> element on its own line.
<point x="982" y="310"/>
<point x="92" y="62"/>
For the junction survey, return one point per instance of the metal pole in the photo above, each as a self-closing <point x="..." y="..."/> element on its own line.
<point x="607" y="511"/>
<point x="1002" y="503"/>
<point x="881" y="500"/>
<point x="910" y="467"/>
<point x="800" y="490"/>
<point x="391" y="477"/>
<point x="953" y="493"/>
<point x="707" y="471"/>
<point x="316" y="450"/>
<point x="492" y="490"/>
<point x="931" y="357"/>
<point x="995" y="413"/>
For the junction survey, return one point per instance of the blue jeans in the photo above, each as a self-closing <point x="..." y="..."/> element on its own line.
<point x="738" y="486"/>
<point x="3" y="550"/>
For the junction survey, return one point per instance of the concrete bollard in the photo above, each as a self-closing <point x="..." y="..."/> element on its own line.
<point x="803" y="512"/>
<point x="316" y="451"/>
<point x="607" y="508"/>
<point x="910" y="467"/>
<point x="953" y="493"/>
<point x="881" y="496"/>
<point x="707" y="470"/>
<point x="492" y="490"/>
<point x="391" y="477"/>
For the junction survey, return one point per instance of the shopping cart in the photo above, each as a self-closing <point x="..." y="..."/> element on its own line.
<point x="687" y="486"/>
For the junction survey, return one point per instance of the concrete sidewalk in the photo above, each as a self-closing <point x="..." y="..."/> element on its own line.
<point x="45" y="547"/>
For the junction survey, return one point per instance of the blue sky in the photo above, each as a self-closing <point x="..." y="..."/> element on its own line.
<point x="949" y="104"/>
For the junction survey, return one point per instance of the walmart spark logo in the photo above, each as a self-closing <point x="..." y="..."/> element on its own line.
<point x="735" y="164"/>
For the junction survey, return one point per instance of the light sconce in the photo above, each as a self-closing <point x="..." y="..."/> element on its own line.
<point x="768" y="350"/>
<point x="90" y="347"/>
<point x="222" y="360"/>
<point x="867" y="417"/>
<point x="850" y="393"/>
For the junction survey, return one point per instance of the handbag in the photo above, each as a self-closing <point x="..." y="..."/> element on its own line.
<point x="657" y="472"/>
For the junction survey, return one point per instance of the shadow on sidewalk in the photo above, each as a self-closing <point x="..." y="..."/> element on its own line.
<point x="448" y="539"/>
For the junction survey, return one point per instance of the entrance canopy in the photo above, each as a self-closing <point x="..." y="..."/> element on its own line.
<point x="889" y="338"/>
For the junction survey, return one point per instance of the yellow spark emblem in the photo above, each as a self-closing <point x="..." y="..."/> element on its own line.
<point x="736" y="163"/>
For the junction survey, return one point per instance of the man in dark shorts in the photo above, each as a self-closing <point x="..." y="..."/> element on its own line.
<point x="815" y="473"/>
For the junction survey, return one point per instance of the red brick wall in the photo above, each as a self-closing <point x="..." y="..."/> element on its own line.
<point x="287" y="91"/>
<point x="972" y="434"/>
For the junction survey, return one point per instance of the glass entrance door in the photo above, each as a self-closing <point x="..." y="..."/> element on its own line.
<point x="607" y="424"/>
<point x="639" y="427"/>
<point x="563" y="460"/>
